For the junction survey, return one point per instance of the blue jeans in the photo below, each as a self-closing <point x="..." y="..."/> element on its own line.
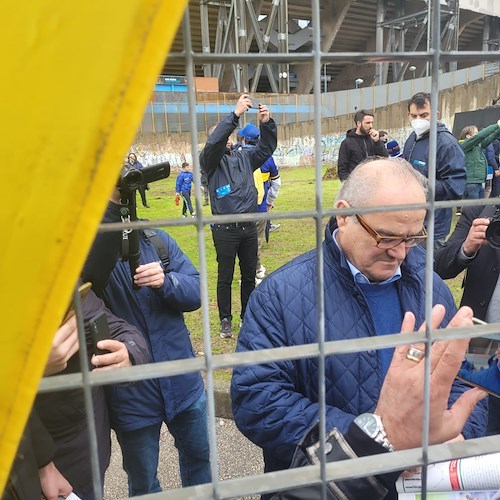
<point x="140" y="450"/>
<point x="474" y="191"/>
<point x="186" y="203"/>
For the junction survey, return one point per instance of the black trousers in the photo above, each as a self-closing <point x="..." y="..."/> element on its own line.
<point x="231" y="240"/>
<point x="142" y="192"/>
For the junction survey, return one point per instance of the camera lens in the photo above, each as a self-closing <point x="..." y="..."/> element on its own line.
<point x="130" y="179"/>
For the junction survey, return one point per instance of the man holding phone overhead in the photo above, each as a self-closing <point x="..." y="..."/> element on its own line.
<point x="232" y="191"/>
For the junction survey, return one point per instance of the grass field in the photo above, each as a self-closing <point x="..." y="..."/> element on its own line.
<point x="294" y="237"/>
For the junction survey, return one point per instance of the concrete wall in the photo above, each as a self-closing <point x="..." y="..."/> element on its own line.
<point x="489" y="7"/>
<point x="296" y="141"/>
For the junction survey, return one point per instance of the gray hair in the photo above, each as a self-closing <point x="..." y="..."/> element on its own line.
<point x="364" y="181"/>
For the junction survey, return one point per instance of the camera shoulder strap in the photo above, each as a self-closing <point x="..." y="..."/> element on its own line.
<point x="160" y="247"/>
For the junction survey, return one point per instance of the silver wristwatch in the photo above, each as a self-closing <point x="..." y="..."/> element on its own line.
<point x="372" y="426"/>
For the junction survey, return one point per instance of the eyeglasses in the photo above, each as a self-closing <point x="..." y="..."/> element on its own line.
<point x="386" y="242"/>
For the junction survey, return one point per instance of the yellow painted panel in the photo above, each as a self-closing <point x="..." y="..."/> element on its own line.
<point x="76" y="77"/>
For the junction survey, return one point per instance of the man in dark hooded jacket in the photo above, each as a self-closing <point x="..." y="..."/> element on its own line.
<point x="360" y="143"/>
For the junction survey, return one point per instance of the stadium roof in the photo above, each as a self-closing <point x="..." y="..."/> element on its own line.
<point x="347" y="26"/>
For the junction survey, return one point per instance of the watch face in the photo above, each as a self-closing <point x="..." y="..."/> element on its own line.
<point x="368" y="423"/>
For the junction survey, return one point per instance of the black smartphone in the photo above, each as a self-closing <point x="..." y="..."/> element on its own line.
<point x="255" y="103"/>
<point x="484" y="354"/>
<point x="99" y="330"/>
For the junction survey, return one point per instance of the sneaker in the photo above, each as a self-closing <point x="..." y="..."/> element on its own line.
<point x="226" y="331"/>
<point x="273" y="227"/>
<point x="261" y="272"/>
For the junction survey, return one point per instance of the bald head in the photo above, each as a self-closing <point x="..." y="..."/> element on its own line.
<point x="380" y="182"/>
<point x="392" y="179"/>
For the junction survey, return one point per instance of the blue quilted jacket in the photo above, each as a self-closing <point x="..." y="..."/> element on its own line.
<point x="275" y="404"/>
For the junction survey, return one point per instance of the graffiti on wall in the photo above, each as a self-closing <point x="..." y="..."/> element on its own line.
<point x="293" y="152"/>
<point x="175" y="152"/>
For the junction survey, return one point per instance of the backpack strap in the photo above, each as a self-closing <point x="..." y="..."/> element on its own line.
<point x="160" y="247"/>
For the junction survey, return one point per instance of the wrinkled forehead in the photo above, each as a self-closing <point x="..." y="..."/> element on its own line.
<point x="392" y="186"/>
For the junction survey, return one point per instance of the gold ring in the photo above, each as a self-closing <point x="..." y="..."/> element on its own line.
<point x="415" y="355"/>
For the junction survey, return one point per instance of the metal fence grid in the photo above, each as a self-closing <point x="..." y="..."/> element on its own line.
<point x="210" y="362"/>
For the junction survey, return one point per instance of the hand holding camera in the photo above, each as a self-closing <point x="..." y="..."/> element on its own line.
<point x="476" y="237"/>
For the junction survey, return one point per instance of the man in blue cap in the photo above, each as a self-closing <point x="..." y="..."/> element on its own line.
<point x="270" y="181"/>
<point x="232" y="191"/>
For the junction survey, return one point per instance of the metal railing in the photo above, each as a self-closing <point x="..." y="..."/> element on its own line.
<point x="168" y="112"/>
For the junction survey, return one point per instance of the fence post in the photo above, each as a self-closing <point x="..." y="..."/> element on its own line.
<point x="151" y="103"/>
<point x="166" y="114"/>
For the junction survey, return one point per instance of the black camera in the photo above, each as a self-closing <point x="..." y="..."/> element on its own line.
<point x="131" y="178"/>
<point x="493" y="231"/>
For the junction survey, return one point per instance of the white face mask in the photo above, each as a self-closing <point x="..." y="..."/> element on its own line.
<point x="420" y="126"/>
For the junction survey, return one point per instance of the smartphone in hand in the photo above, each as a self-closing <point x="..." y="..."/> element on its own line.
<point x="83" y="290"/>
<point x="484" y="356"/>
<point x="99" y="330"/>
<point x="255" y="103"/>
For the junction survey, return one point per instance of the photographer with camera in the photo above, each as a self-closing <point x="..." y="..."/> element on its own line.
<point x="475" y="246"/>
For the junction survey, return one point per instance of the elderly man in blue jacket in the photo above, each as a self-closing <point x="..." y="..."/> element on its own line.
<point x="450" y="161"/>
<point x="155" y="305"/>
<point x="374" y="272"/>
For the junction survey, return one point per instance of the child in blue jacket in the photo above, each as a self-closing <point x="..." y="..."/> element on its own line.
<point x="183" y="189"/>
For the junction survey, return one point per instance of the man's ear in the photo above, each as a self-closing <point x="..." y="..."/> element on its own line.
<point x="438" y="115"/>
<point x="341" y="219"/>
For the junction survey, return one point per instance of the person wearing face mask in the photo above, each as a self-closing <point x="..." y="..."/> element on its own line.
<point x="450" y="161"/>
